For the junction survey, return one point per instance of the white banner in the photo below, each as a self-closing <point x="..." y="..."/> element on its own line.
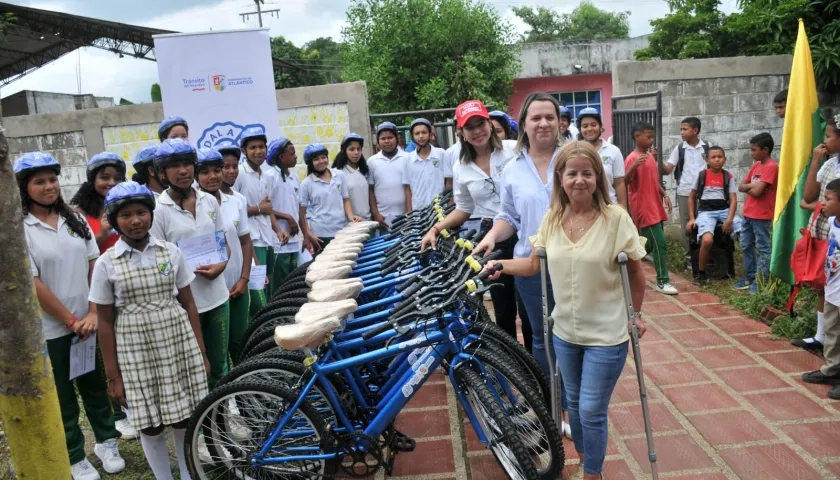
<point x="220" y="82"/>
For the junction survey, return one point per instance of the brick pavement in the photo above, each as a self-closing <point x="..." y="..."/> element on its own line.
<point x="726" y="403"/>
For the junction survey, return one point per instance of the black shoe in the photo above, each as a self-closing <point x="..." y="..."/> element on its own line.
<point x="700" y="279"/>
<point x="801" y="343"/>
<point x="834" y="393"/>
<point x="818" y="377"/>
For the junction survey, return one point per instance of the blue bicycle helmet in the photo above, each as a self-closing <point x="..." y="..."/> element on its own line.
<point x="589" y="112"/>
<point x="144" y="158"/>
<point x="173" y="150"/>
<point x="275" y="148"/>
<point x="209" y="157"/>
<point x="230" y="150"/>
<point x="123" y="194"/>
<point x="419" y="121"/>
<point x="565" y="112"/>
<point x="504" y="119"/>
<point x="167" y="124"/>
<point x="514" y="127"/>
<point x="31" y="162"/>
<point x="313" y="150"/>
<point x="253" y="133"/>
<point x="386" y="127"/>
<point x="104" y="159"/>
<point x="352" y="137"/>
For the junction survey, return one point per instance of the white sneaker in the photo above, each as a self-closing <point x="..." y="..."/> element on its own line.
<point x="109" y="453"/>
<point x="667" y="289"/>
<point x="567" y="430"/>
<point x="127" y="432"/>
<point x="203" y="452"/>
<point x="84" y="471"/>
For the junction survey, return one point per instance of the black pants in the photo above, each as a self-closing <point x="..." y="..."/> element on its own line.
<point x="505" y="299"/>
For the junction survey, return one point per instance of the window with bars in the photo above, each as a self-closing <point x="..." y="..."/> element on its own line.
<point x="577" y="101"/>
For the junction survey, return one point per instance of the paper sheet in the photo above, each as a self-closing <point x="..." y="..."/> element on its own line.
<point x="257" y="280"/>
<point x="206" y="249"/>
<point x="82" y="356"/>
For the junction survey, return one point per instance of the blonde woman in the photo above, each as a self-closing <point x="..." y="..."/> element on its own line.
<point x="583" y="233"/>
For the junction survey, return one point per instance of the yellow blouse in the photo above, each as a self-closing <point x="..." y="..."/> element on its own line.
<point x="589" y="299"/>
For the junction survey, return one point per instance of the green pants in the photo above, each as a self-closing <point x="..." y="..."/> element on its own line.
<point x="239" y="319"/>
<point x="94" y="392"/>
<point x="658" y="249"/>
<point x="265" y="256"/>
<point x="257" y="301"/>
<point x="284" y="263"/>
<point x="215" y="328"/>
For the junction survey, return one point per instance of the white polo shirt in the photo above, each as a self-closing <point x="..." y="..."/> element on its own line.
<point x="613" y="166"/>
<point x="104" y="288"/>
<point x="61" y="260"/>
<point x="284" y="198"/>
<point x="256" y="187"/>
<point x="695" y="162"/>
<point x="357" y="186"/>
<point x="173" y="224"/>
<point x="386" y="177"/>
<point x="424" y="177"/>
<point x="235" y="214"/>
<point x="477" y="193"/>
<point x="325" y="203"/>
<point x="450" y="158"/>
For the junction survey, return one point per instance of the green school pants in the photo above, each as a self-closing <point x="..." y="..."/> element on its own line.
<point x="284" y="263"/>
<point x="658" y="249"/>
<point x="239" y="319"/>
<point x="215" y="328"/>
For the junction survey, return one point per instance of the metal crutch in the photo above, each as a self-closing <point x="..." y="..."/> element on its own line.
<point x="637" y="357"/>
<point x="548" y="325"/>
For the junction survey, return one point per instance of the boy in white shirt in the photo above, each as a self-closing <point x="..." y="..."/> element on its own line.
<point x="424" y="170"/>
<point x="387" y="199"/>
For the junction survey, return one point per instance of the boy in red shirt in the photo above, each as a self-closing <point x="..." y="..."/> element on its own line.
<point x="760" y="187"/>
<point x="646" y="197"/>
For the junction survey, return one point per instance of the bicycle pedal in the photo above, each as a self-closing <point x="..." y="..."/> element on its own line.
<point x="401" y="443"/>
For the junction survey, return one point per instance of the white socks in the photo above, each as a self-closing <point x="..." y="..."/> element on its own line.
<point x="178" y="435"/>
<point x="157" y="454"/>
<point x="820" y="336"/>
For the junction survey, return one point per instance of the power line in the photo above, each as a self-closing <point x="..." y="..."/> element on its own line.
<point x="259" y="13"/>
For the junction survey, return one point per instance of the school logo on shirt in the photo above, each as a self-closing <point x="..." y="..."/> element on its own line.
<point x="165" y="269"/>
<point x="212" y="214"/>
<point x="338" y="186"/>
<point x="499" y="168"/>
<point x="71" y="232"/>
<point x="236" y="223"/>
<point x="435" y="163"/>
<point x="222" y="134"/>
<point x="607" y="161"/>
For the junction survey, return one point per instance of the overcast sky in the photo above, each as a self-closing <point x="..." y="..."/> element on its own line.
<point x="105" y="74"/>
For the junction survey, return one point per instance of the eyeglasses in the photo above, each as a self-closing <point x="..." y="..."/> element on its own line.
<point x="491" y="185"/>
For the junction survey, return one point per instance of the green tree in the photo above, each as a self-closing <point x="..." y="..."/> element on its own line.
<point x="586" y="22"/>
<point x="318" y="62"/>
<point x="423" y="54"/>
<point x="697" y="29"/>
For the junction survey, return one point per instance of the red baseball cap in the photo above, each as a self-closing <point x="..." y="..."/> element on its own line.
<point x="469" y="109"/>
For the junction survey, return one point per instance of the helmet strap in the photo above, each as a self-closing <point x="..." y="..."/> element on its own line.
<point x="43" y="205"/>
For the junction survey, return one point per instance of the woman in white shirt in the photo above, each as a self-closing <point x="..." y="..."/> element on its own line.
<point x="591" y="128"/>
<point x="476" y="177"/>
<point x="209" y="174"/>
<point x="351" y="161"/>
<point x="582" y="234"/>
<point x="184" y="213"/>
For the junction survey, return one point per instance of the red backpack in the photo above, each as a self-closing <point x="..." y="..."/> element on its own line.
<point x="807" y="262"/>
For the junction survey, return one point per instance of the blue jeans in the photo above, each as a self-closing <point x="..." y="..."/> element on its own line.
<point x="755" y="237"/>
<point x="589" y="377"/>
<point x="530" y="292"/>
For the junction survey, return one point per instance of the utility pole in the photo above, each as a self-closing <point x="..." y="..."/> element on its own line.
<point x="259" y="13"/>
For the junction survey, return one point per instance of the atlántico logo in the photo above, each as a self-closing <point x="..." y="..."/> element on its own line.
<point x="222" y="134"/>
<point x="219" y="82"/>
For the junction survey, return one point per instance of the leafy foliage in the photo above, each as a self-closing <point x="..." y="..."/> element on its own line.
<point x="698" y="29"/>
<point x="424" y="54"/>
<point x="586" y="22"/>
<point x="319" y="61"/>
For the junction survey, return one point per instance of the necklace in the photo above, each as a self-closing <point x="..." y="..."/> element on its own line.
<point x="580" y="223"/>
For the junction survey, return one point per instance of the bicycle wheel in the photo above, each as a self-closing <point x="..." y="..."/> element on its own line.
<point x="260" y="406"/>
<point x="264" y="330"/>
<point x="525" y="407"/>
<point x="499" y="430"/>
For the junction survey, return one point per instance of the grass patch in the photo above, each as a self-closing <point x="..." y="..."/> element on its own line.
<point x="773" y="293"/>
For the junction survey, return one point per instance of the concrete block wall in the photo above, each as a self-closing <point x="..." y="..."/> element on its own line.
<point x="324" y="113"/>
<point x="732" y="97"/>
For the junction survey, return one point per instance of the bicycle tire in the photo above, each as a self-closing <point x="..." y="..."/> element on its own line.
<point x="495" y="359"/>
<point x="210" y="406"/>
<point x="289" y="287"/>
<point x="265" y="330"/>
<point x="260" y="348"/>
<point x="253" y="325"/>
<point x="465" y="376"/>
<point x="276" y="313"/>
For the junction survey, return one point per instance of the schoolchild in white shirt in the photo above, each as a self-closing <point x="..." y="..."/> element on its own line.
<point x="387" y="196"/>
<point x="424" y="169"/>
<point x="237" y="235"/>
<point x="351" y="161"/>
<point x="183" y="213"/>
<point x="324" y="200"/>
<point x="151" y="340"/>
<point x="62" y="251"/>
<point x="173" y="127"/>
<point x="281" y="158"/>
<point x="591" y="128"/>
<point x="144" y="170"/>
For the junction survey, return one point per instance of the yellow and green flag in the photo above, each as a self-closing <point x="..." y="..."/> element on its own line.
<point x="802" y="133"/>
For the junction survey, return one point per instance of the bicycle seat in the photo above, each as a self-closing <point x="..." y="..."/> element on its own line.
<point x="343" y="247"/>
<point x="316" y="265"/>
<point x="337" y="256"/>
<point x="295" y="336"/>
<point x="314" y="311"/>
<point x="351" y="237"/>
<point x="313" y="276"/>
<point x="333" y="290"/>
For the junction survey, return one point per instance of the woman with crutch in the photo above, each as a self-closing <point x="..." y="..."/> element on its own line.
<point x="583" y="235"/>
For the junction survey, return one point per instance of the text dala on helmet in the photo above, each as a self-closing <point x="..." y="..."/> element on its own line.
<point x="221" y="134"/>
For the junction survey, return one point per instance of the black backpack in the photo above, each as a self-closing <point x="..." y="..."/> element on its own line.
<point x="681" y="160"/>
<point x="701" y="185"/>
